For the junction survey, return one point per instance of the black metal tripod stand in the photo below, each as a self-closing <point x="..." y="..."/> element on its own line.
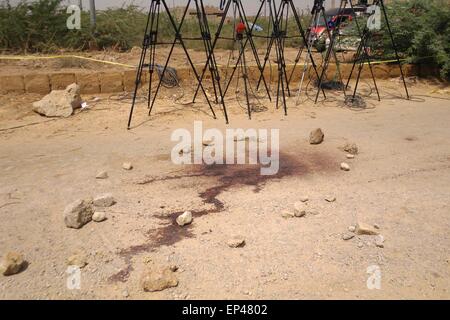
<point x="280" y="18"/>
<point x="149" y="45"/>
<point x="362" y="53"/>
<point x="238" y="7"/>
<point x="317" y="12"/>
<point x="331" y="50"/>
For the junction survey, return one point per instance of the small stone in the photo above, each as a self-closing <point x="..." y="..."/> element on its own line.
<point x="351" y="148"/>
<point x="173" y="268"/>
<point x="304" y="198"/>
<point x="287" y="214"/>
<point x="125" y="293"/>
<point x="236" y="242"/>
<point x="360" y="245"/>
<point x="330" y="198"/>
<point x="379" y="241"/>
<point x="127" y="166"/>
<point x="185" y="150"/>
<point x="207" y="143"/>
<point x="347" y="236"/>
<point x="300" y="209"/>
<point x="184" y="219"/>
<point x="11" y="263"/>
<point x="156" y="279"/>
<point x="104" y="200"/>
<point x="351" y="228"/>
<point x="316" y="136"/>
<point x="376" y="226"/>
<point x="79" y="260"/>
<point x="345" y="166"/>
<point x="365" y="229"/>
<point x="350" y="156"/>
<point x="99" y="216"/>
<point x="102" y="175"/>
<point x="78" y="213"/>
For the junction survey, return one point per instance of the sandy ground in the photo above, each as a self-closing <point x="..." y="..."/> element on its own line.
<point x="399" y="180"/>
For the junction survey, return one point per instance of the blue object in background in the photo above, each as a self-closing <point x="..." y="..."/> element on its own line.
<point x="255" y="27"/>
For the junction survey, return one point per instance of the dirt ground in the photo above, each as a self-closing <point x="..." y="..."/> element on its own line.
<point x="399" y="181"/>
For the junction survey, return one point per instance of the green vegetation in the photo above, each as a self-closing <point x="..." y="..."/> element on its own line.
<point x="421" y="30"/>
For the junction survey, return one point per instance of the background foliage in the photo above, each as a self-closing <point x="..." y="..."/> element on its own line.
<point x="421" y="30"/>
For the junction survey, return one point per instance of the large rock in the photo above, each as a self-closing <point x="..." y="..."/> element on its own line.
<point x="11" y="263"/>
<point x="59" y="103"/>
<point x="78" y="213"/>
<point x="156" y="279"/>
<point x="316" y="136"/>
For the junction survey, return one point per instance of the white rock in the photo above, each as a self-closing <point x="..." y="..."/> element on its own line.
<point x="104" y="200"/>
<point x="330" y="198"/>
<point x="78" y="213"/>
<point x="59" y="103"/>
<point x="345" y="166"/>
<point x="350" y="156"/>
<point x="102" y="175"/>
<point x="300" y="209"/>
<point x="351" y="228"/>
<point x="184" y="219"/>
<point x="127" y="166"/>
<point x="99" y="216"/>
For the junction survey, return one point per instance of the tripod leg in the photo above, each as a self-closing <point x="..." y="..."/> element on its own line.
<point x="357" y="80"/>
<point x="252" y="43"/>
<point x="331" y="49"/>
<point x="302" y="34"/>
<point x="394" y="47"/>
<point x="203" y="23"/>
<point x="215" y="71"/>
<point x="255" y="53"/>
<point x="141" y="66"/>
<point x="179" y="38"/>
<point x="245" y="76"/>
<point x="219" y="31"/>
<point x="153" y="41"/>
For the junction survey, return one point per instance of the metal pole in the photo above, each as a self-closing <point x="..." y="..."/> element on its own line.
<point x="93" y="16"/>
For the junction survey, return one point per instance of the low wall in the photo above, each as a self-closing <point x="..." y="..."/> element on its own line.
<point x="118" y="81"/>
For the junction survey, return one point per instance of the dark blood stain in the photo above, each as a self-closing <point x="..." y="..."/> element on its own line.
<point x="228" y="176"/>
